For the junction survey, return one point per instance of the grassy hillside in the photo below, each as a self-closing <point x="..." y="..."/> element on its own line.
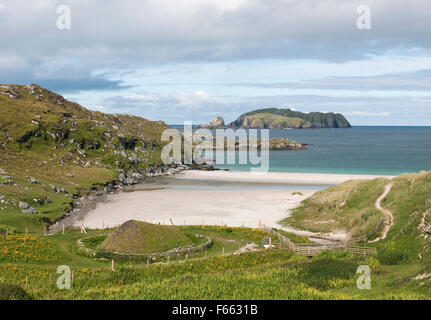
<point x="406" y="249"/>
<point x="53" y="150"/>
<point x="274" y="118"/>
<point x="348" y="207"/>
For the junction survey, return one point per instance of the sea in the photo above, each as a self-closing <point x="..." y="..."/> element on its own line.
<point x="375" y="150"/>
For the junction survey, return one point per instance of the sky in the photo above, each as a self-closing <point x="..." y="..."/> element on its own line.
<point x="193" y="60"/>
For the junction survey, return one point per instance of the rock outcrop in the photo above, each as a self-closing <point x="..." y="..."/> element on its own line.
<point x="216" y="123"/>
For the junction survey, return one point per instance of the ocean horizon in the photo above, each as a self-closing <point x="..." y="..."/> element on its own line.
<point x="377" y="150"/>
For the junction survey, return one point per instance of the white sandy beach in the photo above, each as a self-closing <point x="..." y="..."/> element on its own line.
<point x="232" y="207"/>
<point x="287" y="178"/>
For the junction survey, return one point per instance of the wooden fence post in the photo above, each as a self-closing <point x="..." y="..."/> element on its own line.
<point x="50" y="279"/>
<point x="63" y="228"/>
<point x="73" y="276"/>
<point x="223" y="252"/>
<point x="168" y="260"/>
<point x="26" y="282"/>
<point x="26" y="230"/>
<point x="205" y="253"/>
<point x="187" y="257"/>
<point x="112" y="265"/>
<point x="6" y="232"/>
<point x="44" y="231"/>
<point x="148" y="263"/>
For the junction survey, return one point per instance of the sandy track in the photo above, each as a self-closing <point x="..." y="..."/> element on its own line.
<point x="378" y="206"/>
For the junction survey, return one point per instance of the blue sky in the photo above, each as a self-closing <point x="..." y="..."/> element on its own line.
<point x="196" y="59"/>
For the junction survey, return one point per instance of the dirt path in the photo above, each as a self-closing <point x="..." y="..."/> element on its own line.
<point x="378" y="206"/>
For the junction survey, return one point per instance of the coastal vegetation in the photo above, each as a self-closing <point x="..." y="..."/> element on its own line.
<point x="348" y="207"/>
<point x="259" y="274"/>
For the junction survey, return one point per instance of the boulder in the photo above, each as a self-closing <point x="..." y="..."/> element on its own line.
<point x="33" y="180"/>
<point x="30" y="210"/>
<point x="23" y="205"/>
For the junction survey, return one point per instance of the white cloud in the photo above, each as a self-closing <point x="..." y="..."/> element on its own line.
<point x="294" y="52"/>
<point x="201" y="94"/>
<point x="164" y="31"/>
<point x="11" y="62"/>
<point x="368" y="114"/>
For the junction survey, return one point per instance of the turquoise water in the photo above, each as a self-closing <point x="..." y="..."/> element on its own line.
<point x="359" y="150"/>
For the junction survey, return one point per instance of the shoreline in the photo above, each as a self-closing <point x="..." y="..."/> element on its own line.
<point x="125" y="182"/>
<point x="158" y="200"/>
<point x="284" y="178"/>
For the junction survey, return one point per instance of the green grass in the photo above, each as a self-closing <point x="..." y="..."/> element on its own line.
<point x="263" y="274"/>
